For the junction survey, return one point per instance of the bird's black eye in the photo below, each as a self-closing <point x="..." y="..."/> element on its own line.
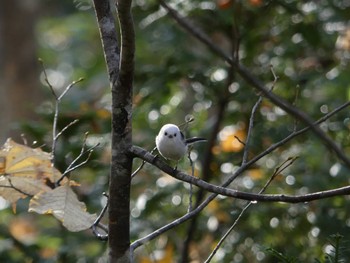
<point x="174" y="134"/>
<point x="165" y="133"/>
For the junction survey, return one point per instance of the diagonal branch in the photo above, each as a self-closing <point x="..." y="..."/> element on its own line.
<point x="199" y="208"/>
<point x="278" y="170"/>
<point x="222" y="190"/>
<point x="255" y="82"/>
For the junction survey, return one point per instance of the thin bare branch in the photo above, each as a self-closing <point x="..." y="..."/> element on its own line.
<point x="275" y="78"/>
<point x="74" y="164"/>
<point x="142" y="164"/>
<point x="65" y="128"/>
<point x="47" y="79"/>
<point x="97" y="224"/>
<point x="68" y="88"/>
<point x="222" y="190"/>
<point x="278" y="170"/>
<point x="55" y="118"/>
<point x="191" y="186"/>
<point x="200" y="207"/>
<point x="296" y="96"/>
<point x="250" y="129"/>
<point x="257" y="83"/>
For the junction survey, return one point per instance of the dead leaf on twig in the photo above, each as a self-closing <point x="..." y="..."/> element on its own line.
<point x="24" y="171"/>
<point x="63" y="203"/>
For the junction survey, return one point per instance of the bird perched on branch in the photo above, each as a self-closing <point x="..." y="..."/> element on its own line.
<point x="172" y="144"/>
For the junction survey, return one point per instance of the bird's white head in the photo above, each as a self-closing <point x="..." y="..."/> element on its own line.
<point x="170" y="142"/>
<point x="170" y="131"/>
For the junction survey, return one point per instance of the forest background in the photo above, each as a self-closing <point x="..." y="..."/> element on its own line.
<point x="298" y="48"/>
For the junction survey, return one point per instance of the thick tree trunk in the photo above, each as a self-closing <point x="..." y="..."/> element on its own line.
<point x="121" y="70"/>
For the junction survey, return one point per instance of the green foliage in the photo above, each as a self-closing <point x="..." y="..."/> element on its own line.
<point x="282" y="258"/>
<point x="177" y="76"/>
<point x="335" y="254"/>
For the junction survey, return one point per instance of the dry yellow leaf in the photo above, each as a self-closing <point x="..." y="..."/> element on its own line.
<point x="21" y="160"/>
<point x="63" y="204"/>
<point x="24" y="171"/>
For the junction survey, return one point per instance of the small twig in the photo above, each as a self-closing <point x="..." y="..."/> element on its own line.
<point x="55" y="118"/>
<point x="69" y="87"/>
<point x="89" y="152"/>
<point x="73" y="166"/>
<point x="199" y="208"/>
<point x="191" y="186"/>
<point x="250" y="129"/>
<point x="57" y="102"/>
<point x="278" y="170"/>
<point x="47" y="79"/>
<point x="256" y="83"/>
<point x="239" y="140"/>
<point x="65" y="128"/>
<point x="275" y="77"/>
<point x="142" y="164"/>
<point x="188" y="120"/>
<point x="96" y="224"/>
<point x="294" y="104"/>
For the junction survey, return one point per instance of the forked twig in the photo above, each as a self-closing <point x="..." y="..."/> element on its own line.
<point x="195" y="211"/>
<point x="65" y="128"/>
<point x="250" y="129"/>
<point x="73" y="165"/>
<point x="275" y="77"/>
<point x="142" y="164"/>
<point x="257" y="83"/>
<point x="58" y="99"/>
<point x="96" y="224"/>
<point x="47" y="79"/>
<point x="183" y="126"/>
<point x="277" y="171"/>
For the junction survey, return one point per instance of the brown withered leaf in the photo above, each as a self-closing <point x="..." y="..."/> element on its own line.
<point x="63" y="203"/>
<point x="21" y="160"/>
<point x="24" y="171"/>
<point x="14" y="188"/>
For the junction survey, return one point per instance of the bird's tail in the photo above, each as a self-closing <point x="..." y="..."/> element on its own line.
<point x="195" y="140"/>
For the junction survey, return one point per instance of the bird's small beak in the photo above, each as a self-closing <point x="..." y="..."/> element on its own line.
<point x="170" y="136"/>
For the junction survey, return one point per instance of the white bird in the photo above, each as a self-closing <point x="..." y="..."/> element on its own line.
<point x="172" y="144"/>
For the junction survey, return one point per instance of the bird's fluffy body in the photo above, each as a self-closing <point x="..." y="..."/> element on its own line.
<point x="171" y="143"/>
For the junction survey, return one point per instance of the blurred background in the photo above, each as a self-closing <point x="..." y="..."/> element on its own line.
<point x="307" y="44"/>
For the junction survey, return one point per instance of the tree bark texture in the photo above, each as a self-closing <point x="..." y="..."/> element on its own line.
<point x="120" y="67"/>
